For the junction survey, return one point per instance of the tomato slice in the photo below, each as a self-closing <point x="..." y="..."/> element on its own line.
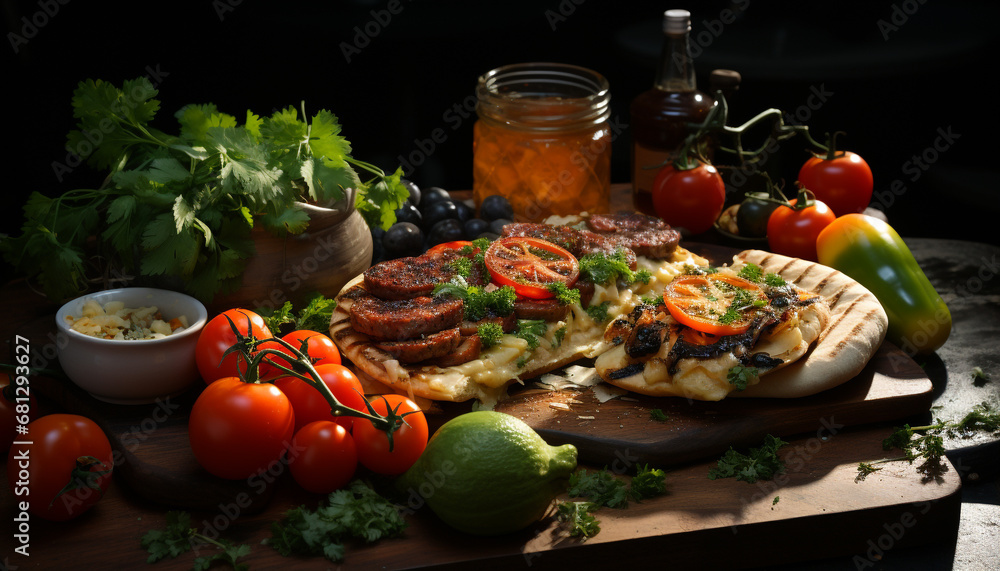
<point x="454" y="245"/>
<point x="529" y="265"/>
<point x="715" y="304"/>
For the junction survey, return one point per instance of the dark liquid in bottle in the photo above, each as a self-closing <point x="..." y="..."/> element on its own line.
<point x="659" y="123"/>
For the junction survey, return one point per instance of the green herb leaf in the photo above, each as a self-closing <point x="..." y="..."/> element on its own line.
<point x="357" y="512"/>
<point x="741" y="377"/>
<point x="647" y="483"/>
<point x="580" y="517"/>
<point x="601" y="487"/>
<point x="757" y="464"/>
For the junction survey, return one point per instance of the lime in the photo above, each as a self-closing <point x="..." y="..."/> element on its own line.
<point x="488" y="473"/>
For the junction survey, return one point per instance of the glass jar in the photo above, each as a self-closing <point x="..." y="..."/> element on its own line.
<point x="542" y="139"/>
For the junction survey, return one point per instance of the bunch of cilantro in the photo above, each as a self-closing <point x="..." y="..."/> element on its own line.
<point x="183" y="204"/>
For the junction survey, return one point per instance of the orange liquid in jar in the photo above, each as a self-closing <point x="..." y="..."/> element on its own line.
<point x="562" y="169"/>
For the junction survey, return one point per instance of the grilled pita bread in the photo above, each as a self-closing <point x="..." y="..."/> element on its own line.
<point x="487" y="378"/>
<point x="826" y="344"/>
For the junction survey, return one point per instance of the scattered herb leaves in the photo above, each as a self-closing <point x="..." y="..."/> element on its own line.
<point x="760" y="463"/>
<point x="179" y="537"/>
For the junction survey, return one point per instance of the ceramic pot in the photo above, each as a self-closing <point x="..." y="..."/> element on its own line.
<point x="335" y="248"/>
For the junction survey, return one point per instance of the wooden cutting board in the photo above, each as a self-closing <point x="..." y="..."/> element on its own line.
<point x="892" y="386"/>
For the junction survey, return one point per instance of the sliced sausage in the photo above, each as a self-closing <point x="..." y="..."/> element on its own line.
<point x="469" y="349"/>
<point x="406" y="278"/>
<point x="545" y="309"/>
<point x="404" y="318"/>
<point x="645" y="235"/>
<point x="508" y="323"/>
<point x="420" y="349"/>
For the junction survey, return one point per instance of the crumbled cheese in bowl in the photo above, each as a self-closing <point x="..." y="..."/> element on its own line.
<point x="115" y="321"/>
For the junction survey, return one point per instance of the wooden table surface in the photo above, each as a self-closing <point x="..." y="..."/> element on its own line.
<point x="814" y="516"/>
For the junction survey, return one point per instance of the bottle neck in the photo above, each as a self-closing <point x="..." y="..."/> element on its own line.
<point x="676" y="71"/>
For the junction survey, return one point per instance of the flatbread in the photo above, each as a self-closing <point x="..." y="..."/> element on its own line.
<point x="486" y="379"/>
<point x="855" y="330"/>
<point x="830" y="344"/>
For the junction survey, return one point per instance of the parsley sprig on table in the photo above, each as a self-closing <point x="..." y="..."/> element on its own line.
<point x="179" y="538"/>
<point x="760" y="463"/>
<point x="604" y="489"/>
<point x="927" y="442"/>
<point x="183" y="204"/>
<point x="357" y="512"/>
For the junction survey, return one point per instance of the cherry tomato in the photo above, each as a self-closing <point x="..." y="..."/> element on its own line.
<point x="308" y="402"/>
<point x="64" y="470"/>
<point x="238" y="429"/>
<point x="793" y="232"/>
<point x="703" y="303"/>
<point x="691" y="199"/>
<point x="844" y="182"/>
<point x="408" y="442"/>
<point x="323" y="457"/>
<point x="218" y="336"/>
<point x="454" y="245"/>
<point x="320" y="348"/>
<point x="17" y="407"/>
<point x="529" y="265"/>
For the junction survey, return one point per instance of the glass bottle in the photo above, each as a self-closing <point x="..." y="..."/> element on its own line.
<point x="542" y="139"/>
<point x="660" y="117"/>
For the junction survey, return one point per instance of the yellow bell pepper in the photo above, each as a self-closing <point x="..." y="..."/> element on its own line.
<point x="872" y="253"/>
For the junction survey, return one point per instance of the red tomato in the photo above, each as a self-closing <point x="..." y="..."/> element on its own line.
<point x="691" y="198"/>
<point x="455" y="245"/>
<point x="408" y="442"/>
<point x="218" y="336"/>
<point x="309" y="403"/>
<point x="529" y="265"/>
<point x="793" y="232"/>
<point x="700" y="301"/>
<point x="844" y="183"/>
<point x="17" y="407"/>
<point x="323" y="457"/>
<point x="320" y="348"/>
<point x="64" y="470"/>
<point x="238" y="429"/>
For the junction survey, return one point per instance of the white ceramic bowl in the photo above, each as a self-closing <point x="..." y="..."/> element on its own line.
<point x="132" y="371"/>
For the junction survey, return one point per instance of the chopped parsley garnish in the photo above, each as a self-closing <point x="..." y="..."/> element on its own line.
<point x="357" y="512"/>
<point x="558" y="336"/>
<point x="740" y="376"/>
<point x="774" y="280"/>
<point x="565" y="295"/>
<point x="754" y="273"/>
<point x="179" y="537"/>
<point x="602" y="269"/>
<point x="757" y="464"/>
<point x="658" y="415"/>
<point x="599" y="312"/>
<point x="927" y="442"/>
<point x="530" y="330"/>
<point x="580" y="517"/>
<point x="489" y="334"/>
<point x="479" y="303"/>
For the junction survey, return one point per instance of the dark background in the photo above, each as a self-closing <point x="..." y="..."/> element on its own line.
<point x="896" y="75"/>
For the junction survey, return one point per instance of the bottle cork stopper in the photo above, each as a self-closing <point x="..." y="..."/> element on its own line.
<point x="676" y="22"/>
<point x="724" y="79"/>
